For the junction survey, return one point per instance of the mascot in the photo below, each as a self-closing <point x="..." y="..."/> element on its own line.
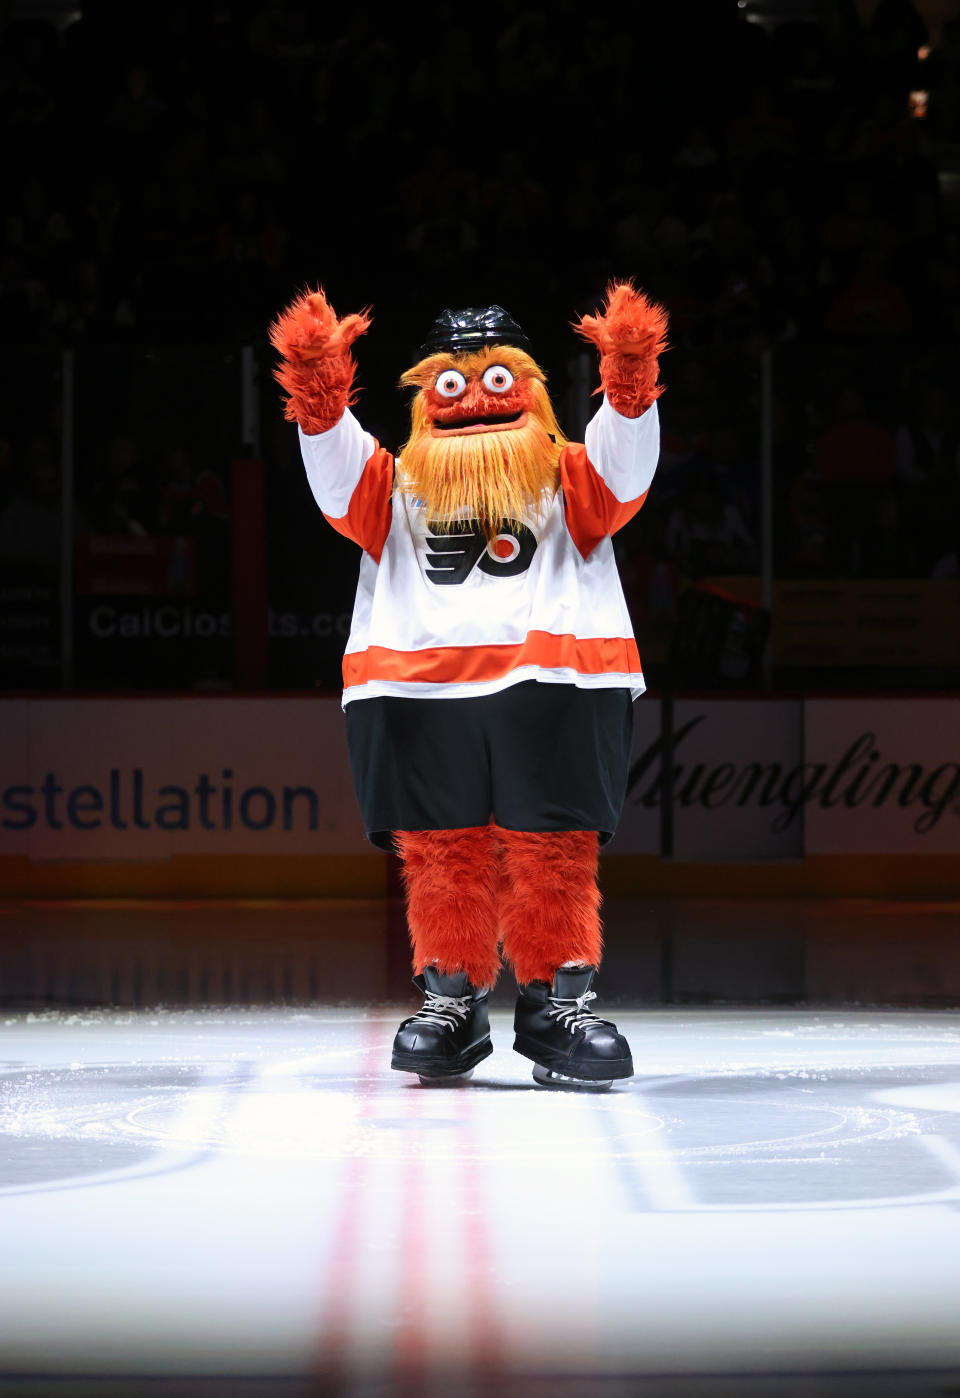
<point x="491" y="665"/>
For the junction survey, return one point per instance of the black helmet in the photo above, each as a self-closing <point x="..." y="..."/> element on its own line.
<point x="459" y="332"/>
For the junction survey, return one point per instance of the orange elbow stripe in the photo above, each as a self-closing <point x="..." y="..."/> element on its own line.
<point x="592" y="509"/>
<point x="596" y="655"/>
<point x="367" y="521"/>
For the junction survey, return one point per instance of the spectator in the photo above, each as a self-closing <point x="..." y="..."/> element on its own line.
<point x="871" y="303"/>
<point x="120" y="502"/>
<point x="880" y="547"/>
<point x="706" y="534"/>
<point x="928" y="476"/>
<point x="30" y="532"/>
<point x="853" y="449"/>
<point x="189" y="498"/>
<point x="810" y="542"/>
<point x="928" y="442"/>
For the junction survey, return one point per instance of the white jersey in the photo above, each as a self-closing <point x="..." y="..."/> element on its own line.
<point x="443" y="614"/>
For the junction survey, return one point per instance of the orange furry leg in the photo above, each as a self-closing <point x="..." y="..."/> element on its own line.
<point x="451" y="878"/>
<point x="549" y="901"/>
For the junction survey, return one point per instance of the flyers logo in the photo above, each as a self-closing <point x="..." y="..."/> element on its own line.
<point x="454" y="550"/>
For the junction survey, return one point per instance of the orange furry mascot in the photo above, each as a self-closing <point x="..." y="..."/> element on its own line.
<point x="491" y="666"/>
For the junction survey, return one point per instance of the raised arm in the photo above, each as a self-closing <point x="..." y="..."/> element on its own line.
<point x="350" y="474"/>
<point x="317" y="369"/>
<point x="630" y="333"/>
<point x="606" y="480"/>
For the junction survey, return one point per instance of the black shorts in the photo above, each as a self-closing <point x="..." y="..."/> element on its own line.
<point x="533" y="756"/>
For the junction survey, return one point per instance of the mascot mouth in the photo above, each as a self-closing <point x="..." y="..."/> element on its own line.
<point x="490" y="422"/>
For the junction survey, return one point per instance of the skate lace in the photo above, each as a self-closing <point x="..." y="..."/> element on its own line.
<point x="572" y="1013"/>
<point x="445" y="1010"/>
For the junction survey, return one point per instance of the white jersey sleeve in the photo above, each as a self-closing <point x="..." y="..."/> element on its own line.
<point x="606" y="480"/>
<point x="351" y="478"/>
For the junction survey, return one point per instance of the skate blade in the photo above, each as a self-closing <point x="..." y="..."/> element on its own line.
<point x="445" y="1080"/>
<point x="546" y="1077"/>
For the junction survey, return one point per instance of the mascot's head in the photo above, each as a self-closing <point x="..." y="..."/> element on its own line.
<point x="484" y="441"/>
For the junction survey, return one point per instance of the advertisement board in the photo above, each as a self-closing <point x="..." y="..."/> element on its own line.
<point x="883" y="776"/>
<point x="762" y="779"/>
<point x="736" y="789"/>
<point x="144" y="779"/>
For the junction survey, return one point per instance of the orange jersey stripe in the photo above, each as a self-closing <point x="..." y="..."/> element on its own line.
<point x="367" y="521"/>
<point x="592" y="509"/>
<point x="596" y="655"/>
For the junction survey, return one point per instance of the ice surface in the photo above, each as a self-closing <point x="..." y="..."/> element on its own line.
<point x="251" y="1202"/>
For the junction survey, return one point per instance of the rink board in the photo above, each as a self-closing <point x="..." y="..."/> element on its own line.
<point x="238" y="796"/>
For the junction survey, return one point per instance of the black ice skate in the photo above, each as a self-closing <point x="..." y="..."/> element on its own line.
<point x="449" y="1035"/>
<point x="569" y="1045"/>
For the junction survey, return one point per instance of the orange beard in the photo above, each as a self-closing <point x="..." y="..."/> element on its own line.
<point x="491" y="476"/>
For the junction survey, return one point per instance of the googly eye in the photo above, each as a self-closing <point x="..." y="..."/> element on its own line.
<point x="451" y="383"/>
<point x="497" y="379"/>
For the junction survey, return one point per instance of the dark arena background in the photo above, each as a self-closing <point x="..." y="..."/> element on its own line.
<point x="211" y="1184"/>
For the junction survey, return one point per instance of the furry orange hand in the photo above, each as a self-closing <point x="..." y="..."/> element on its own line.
<point x="318" y="368"/>
<point x="630" y="332"/>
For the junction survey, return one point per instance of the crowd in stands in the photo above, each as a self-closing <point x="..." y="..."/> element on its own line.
<point x="174" y="173"/>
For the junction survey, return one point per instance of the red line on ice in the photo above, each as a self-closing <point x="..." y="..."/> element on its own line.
<point x="333" y="1356"/>
<point x="411" y="1343"/>
<point x="485" y="1337"/>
